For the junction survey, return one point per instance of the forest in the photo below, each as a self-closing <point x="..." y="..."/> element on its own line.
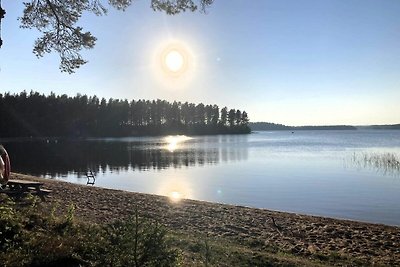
<point x="39" y="115"/>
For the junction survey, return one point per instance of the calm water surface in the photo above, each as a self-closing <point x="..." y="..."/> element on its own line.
<point x="310" y="172"/>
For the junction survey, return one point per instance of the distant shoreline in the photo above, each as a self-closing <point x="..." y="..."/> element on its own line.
<point x="267" y="126"/>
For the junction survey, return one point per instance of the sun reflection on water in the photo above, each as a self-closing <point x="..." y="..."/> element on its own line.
<point x="175" y="188"/>
<point x="174" y="141"/>
<point x="175" y="196"/>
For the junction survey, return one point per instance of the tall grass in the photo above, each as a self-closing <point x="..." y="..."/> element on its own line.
<point x="387" y="163"/>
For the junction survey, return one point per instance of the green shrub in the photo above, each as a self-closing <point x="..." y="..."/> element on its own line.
<point x="31" y="237"/>
<point x="138" y="242"/>
<point x="10" y="227"/>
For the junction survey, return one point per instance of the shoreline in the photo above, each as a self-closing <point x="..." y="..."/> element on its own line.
<point x="298" y="234"/>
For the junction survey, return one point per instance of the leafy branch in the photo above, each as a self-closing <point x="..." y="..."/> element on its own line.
<point x="57" y="21"/>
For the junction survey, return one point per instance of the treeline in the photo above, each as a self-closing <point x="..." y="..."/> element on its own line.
<point x="381" y="127"/>
<point x="267" y="126"/>
<point x="38" y="115"/>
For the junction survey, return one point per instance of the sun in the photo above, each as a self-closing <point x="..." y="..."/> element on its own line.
<point x="175" y="64"/>
<point x="174" y="60"/>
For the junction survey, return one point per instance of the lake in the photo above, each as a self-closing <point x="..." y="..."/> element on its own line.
<point x="308" y="172"/>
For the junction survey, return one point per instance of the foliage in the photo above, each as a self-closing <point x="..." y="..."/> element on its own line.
<point x="9" y="228"/>
<point x="29" y="237"/>
<point x="34" y="114"/>
<point x="57" y="20"/>
<point x="138" y="243"/>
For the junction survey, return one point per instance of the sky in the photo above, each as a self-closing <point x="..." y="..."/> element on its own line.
<point x="295" y="62"/>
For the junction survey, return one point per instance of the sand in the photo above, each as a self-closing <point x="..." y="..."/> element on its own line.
<point x="294" y="233"/>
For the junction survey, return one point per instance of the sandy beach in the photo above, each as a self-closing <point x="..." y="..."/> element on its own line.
<point x="297" y="234"/>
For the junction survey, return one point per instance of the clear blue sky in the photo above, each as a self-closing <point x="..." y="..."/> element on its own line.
<point x="297" y="62"/>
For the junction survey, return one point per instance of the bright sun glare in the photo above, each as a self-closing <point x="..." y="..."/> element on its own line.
<point x="175" y="187"/>
<point x="174" y="61"/>
<point x="175" y="196"/>
<point x="173" y="142"/>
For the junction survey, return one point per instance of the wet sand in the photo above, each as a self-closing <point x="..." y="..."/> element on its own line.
<point x="294" y="233"/>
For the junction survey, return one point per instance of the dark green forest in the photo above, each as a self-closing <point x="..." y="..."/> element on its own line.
<point x="39" y="115"/>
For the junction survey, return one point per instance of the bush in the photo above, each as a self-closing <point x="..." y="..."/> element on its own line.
<point x="10" y="226"/>
<point x="29" y="237"/>
<point x="138" y="242"/>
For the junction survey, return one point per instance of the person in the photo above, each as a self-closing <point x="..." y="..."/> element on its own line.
<point x="5" y="166"/>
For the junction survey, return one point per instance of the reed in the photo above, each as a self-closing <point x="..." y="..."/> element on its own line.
<point x="388" y="163"/>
